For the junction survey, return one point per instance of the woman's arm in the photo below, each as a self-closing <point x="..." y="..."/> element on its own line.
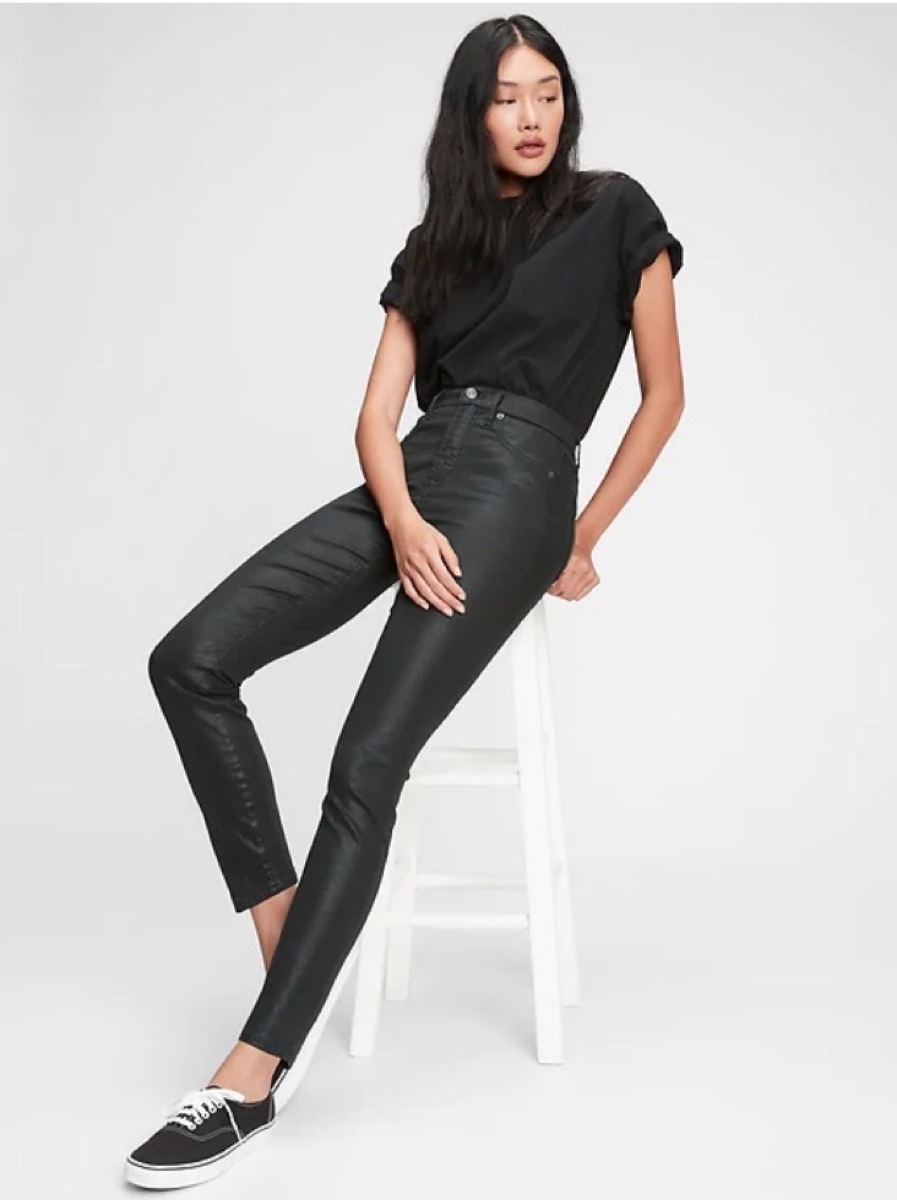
<point x="424" y="556"/>
<point x="656" y="344"/>
<point x="376" y="438"/>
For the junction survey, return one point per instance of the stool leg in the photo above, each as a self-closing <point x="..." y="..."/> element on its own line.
<point x="405" y="837"/>
<point x="542" y="909"/>
<point x="567" y="957"/>
<point x="371" y="964"/>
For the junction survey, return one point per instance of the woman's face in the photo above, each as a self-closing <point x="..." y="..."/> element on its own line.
<point x="527" y="104"/>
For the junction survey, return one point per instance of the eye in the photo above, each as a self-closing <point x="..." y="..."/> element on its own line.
<point x="550" y="99"/>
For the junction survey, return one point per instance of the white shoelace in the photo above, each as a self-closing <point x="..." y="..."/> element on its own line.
<point x="193" y="1107"/>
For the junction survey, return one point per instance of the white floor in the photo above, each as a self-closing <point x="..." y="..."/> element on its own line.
<point x="695" y="1068"/>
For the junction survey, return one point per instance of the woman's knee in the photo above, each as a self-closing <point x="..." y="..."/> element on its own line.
<point x="181" y="659"/>
<point x="363" y="787"/>
<point x="166" y="661"/>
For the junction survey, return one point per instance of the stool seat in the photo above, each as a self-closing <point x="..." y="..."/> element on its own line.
<point x="530" y="768"/>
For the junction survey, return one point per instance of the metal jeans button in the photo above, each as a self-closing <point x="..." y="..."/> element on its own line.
<point x="471" y="393"/>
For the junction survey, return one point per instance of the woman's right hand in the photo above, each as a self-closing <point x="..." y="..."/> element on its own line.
<point x="426" y="562"/>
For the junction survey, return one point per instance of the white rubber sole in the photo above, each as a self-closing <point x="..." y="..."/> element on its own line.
<point x="174" y="1177"/>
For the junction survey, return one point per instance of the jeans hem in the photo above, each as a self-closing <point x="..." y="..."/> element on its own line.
<point x="260" y="1042"/>
<point x="248" y="899"/>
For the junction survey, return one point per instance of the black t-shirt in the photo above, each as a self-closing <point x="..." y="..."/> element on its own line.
<point x="554" y="323"/>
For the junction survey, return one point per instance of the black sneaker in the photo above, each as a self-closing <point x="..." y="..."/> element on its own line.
<point x="284" y="1082"/>
<point x="278" y="1077"/>
<point x="206" y="1132"/>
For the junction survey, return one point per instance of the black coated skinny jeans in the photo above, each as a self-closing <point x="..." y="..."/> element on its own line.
<point x="498" y="474"/>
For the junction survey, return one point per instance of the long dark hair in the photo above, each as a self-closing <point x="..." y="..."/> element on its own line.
<point x="464" y="228"/>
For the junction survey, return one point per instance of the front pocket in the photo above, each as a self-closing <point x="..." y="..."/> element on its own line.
<point x="534" y="444"/>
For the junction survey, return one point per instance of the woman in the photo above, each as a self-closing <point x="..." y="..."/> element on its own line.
<point x="473" y="513"/>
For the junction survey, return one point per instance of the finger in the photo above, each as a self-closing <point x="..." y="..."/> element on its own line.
<point x="425" y="583"/>
<point x="566" y="581"/>
<point x="454" y="591"/>
<point x="435" y="572"/>
<point x="454" y="563"/>
<point x="411" y="591"/>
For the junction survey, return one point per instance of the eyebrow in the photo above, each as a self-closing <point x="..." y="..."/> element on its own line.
<point x="544" y="79"/>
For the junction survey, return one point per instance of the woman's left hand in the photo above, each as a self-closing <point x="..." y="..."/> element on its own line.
<point x="578" y="577"/>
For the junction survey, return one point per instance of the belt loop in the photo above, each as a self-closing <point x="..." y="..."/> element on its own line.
<point x="490" y="406"/>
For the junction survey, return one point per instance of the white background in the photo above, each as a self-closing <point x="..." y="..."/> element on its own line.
<point x="198" y="209"/>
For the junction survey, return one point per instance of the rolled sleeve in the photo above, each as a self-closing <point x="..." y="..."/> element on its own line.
<point x="644" y="235"/>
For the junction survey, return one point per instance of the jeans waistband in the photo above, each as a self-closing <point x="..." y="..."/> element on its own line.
<point x="494" y="399"/>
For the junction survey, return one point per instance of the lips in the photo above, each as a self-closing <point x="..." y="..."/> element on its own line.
<point x="531" y="142"/>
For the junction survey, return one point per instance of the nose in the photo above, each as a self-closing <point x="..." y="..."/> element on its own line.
<point x="530" y="124"/>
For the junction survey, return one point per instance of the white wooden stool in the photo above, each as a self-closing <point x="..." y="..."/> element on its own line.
<point x="384" y="944"/>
